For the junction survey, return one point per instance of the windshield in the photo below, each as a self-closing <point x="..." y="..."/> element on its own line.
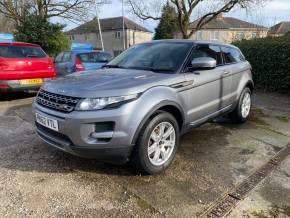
<point x="163" y="56"/>
<point x="19" y="51"/>
<point x="95" y="57"/>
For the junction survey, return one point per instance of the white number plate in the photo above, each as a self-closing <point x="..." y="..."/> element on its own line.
<point x="47" y="122"/>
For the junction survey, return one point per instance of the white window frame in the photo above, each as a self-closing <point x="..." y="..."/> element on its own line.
<point x="215" y="35"/>
<point x="118" y="35"/>
<point x="71" y="37"/>
<point x="240" y="35"/>
<point x="199" y="35"/>
<point x="255" y="35"/>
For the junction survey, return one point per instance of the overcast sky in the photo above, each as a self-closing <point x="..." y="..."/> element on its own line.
<point x="272" y="13"/>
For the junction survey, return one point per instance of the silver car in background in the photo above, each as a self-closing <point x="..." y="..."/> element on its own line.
<point x="138" y="105"/>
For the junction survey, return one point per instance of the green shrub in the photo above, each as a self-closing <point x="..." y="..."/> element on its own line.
<point x="270" y="59"/>
<point x="49" y="36"/>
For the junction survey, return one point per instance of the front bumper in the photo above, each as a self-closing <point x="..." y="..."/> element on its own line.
<point x="79" y="133"/>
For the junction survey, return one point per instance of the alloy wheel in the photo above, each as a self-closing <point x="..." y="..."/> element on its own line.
<point x="161" y="143"/>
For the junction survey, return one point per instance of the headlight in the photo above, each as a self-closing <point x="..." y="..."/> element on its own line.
<point x="90" y="104"/>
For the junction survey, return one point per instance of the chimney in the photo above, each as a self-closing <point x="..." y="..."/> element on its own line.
<point x="220" y="16"/>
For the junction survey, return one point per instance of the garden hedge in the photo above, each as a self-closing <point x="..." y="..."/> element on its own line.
<point x="270" y="59"/>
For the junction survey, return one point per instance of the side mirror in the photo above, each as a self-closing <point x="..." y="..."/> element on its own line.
<point x="203" y="63"/>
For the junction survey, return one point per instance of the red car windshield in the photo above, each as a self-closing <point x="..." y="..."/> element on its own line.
<point x="21" y="51"/>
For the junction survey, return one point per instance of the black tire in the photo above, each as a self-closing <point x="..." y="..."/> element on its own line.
<point x="140" y="159"/>
<point x="236" y="115"/>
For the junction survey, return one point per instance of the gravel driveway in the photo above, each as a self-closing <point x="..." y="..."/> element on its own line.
<point x="37" y="180"/>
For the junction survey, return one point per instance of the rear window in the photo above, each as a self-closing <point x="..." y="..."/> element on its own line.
<point x="18" y="51"/>
<point x="95" y="57"/>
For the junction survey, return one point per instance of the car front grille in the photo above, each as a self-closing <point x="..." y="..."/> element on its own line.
<point x="57" y="102"/>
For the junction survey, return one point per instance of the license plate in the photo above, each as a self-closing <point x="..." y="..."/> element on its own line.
<point x="47" y="122"/>
<point x="30" y="81"/>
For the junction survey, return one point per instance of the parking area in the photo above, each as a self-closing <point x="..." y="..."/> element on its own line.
<point x="40" y="181"/>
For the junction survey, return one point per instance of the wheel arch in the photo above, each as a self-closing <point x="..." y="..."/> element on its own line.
<point x="250" y="85"/>
<point x="168" y="106"/>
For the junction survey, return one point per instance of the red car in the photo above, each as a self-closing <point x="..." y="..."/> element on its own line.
<point x="23" y="66"/>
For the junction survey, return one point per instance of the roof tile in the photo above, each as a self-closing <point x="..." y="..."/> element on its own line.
<point x="107" y="24"/>
<point x="280" y="28"/>
<point x="227" y="23"/>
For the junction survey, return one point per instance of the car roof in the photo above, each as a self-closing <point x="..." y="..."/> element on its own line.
<point x="190" y="41"/>
<point x="19" y="43"/>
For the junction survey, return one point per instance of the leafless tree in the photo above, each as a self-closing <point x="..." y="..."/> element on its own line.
<point x="207" y="10"/>
<point x="73" y="10"/>
<point x="6" y="25"/>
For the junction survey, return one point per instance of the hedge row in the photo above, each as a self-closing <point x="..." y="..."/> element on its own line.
<point x="270" y="59"/>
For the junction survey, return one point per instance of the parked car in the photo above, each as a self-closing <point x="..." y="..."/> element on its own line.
<point x="23" y="66"/>
<point x="136" y="108"/>
<point x="74" y="61"/>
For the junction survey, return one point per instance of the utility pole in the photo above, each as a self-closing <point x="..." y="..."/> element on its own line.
<point x="99" y="26"/>
<point x="124" y="39"/>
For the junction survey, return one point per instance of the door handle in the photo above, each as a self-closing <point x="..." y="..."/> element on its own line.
<point x="226" y="72"/>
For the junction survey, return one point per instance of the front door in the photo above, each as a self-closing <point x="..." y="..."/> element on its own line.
<point x="210" y="86"/>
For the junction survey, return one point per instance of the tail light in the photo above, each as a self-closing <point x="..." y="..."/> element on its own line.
<point x="51" y="67"/>
<point x="4" y="86"/>
<point x="78" y="64"/>
<point x="50" y="64"/>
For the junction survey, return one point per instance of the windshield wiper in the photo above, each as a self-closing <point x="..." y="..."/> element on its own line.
<point x="112" y="66"/>
<point x="156" y="70"/>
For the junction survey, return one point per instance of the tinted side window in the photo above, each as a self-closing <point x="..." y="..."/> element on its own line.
<point x="211" y="51"/>
<point x="95" y="57"/>
<point x="66" y="57"/>
<point x="232" y="55"/>
<point x="58" y="58"/>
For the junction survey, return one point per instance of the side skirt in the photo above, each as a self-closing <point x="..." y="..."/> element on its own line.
<point x="207" y="118"/>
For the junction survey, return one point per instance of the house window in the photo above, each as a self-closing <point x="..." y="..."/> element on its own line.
<point x="240" y="35"/>
<point x="215" y="35"/>
<point x="71" y="37"/>
<point x="98" y="36"/>
<point x="199" y="35"/>
<point x="254" y="35"/>
<point x="117" y="52"/>
<point x="118" y="35"/>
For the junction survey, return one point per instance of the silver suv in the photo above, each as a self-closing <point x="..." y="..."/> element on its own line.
<point x="138" y="105"/>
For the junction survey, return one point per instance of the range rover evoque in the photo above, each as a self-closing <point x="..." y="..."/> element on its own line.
<point x="138" y="105"/>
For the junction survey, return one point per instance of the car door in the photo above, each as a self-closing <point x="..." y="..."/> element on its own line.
<point x="235" y="64"/>
<point x="63" y="66"/>
<point x="210" y="86"/>
<point x="57" y="62"/>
